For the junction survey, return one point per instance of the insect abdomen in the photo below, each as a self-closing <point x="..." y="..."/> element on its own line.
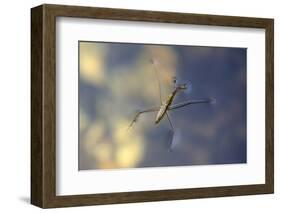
<point x="165" y="107"/>
<point x="161" y="113"/>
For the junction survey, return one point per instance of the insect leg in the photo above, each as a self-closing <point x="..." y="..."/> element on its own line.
<point x="173" y="130"/>
<point x="186" y="103"/>
<point x="153" y="109"/>
<point x="170" y="121"/>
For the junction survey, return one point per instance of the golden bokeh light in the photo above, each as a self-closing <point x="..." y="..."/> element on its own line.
<point x="93" y="135"/>
<point x="129" y="153"/>
<point x="124" y="150"/>
<point x="91" y="63"/>
<point x="103" y="152"/>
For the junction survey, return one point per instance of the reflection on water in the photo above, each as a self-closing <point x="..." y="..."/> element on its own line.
<point x="118" y="79"/>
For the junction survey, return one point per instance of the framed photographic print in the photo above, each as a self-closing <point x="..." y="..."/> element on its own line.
<point x="135" y="106"/>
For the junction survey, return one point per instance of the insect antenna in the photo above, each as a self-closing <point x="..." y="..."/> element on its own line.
<point x="154" y="63"/>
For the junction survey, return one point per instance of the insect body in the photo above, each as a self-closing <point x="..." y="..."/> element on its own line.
<point x="165" y="106"/>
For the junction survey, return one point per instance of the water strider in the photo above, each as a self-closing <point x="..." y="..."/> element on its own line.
<point x="167" y="105"/>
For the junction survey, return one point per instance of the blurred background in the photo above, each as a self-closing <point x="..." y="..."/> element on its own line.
<point x="117" y="79"/>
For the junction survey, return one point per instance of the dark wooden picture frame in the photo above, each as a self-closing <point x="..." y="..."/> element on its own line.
<point x="43" y="105"/>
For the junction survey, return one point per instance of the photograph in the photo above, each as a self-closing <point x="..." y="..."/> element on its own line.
<point x="140" y="105"/>
<point x="159" y="105"/>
